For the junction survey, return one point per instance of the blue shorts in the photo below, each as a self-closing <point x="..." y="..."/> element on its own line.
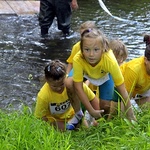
<point x="116" y="96"/>
<point x="70" y="73"/>
<point x="106" y="90"/>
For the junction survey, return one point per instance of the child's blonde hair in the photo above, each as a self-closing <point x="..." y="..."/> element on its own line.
<point x="95" y="33"/>
<point x="119" y="49"/>
<point x="87" y="25"/>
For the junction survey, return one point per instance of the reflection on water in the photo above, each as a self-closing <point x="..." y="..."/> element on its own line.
<point x="23" y="54"/>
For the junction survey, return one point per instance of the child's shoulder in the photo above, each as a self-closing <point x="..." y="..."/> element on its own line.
<point x="76" y="44"/>
<point x="134" y="64"/>
<point x="136" y="61"/>
<point x="109" y="53"/>
<point x="45" y="89"/>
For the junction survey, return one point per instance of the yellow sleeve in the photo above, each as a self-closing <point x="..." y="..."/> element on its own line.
<point x="88" y="92"/>
<point x="42" y="108"/>
<point x="75" y="50"/>
<point x="77" y="68"/>
<point x="113" y="68"/>
<point x="130" y="78"/>
<point x="117" y="75"/>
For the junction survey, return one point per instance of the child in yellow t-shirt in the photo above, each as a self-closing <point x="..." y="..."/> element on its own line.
<point x="53" y="100"/>
<point x="97" y="63"/>
<point x="137" y="75"/>
<point x="74" y="51"/>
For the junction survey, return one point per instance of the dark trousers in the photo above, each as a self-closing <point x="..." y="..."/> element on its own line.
<point x="61" y="9"/>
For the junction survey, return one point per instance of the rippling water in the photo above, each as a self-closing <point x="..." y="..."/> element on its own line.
<point x="23" y="54"/>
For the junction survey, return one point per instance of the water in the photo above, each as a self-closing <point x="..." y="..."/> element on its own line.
<point x="23" y="54"/>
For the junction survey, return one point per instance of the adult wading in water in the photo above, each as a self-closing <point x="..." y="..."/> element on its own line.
<point x="61" y="9"/>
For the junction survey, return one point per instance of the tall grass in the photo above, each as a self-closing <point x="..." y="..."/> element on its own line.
<point x="22" y="131"/>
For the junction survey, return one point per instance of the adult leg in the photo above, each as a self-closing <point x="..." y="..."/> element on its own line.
<point x="46" y="16"/>
<point x="63" y="14"/>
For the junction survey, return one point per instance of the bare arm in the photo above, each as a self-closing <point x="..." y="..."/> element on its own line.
<point x="84" y="99"/>
<point x="126" y="100"/>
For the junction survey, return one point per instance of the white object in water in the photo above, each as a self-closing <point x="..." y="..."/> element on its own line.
<point x="105" y="9"/>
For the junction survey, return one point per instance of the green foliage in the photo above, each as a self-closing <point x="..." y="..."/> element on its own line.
<point x="22" y="131"/>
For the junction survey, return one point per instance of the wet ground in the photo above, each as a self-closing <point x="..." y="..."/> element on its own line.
<point x="23" y="54"/>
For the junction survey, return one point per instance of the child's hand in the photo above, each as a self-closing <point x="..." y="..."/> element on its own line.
<point x="132" y="118"/>
<point x="97" y="114"/>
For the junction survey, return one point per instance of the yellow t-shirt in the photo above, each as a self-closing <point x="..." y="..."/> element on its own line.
<point x="56" y="106"/>
<point x="107" y="64"/>
<point x="75" y="50"/>
<point x="137" y="81"/>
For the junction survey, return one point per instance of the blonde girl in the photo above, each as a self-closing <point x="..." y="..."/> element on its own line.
<point x="97" y="63"/>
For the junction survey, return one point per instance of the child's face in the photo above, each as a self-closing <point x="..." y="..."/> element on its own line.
<point x="92" y="51"/>
<point x="120" y="60"/>
<point x="57" y="85"/>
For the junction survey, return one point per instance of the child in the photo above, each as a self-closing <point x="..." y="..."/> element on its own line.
<point x="76" y="47"/>
<point x="119" y="49"/>
<point x="53" y="104"/>
<point x="137" y="75"/>
<point x="75" y="50"/>
<point x="96" y="62"/>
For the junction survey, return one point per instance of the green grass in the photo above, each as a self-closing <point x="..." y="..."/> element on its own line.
<point x="22" y="131"/>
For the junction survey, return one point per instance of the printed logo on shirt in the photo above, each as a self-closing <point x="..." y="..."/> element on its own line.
<point x="102" y="71"/>
<point x="59" y="108"/>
